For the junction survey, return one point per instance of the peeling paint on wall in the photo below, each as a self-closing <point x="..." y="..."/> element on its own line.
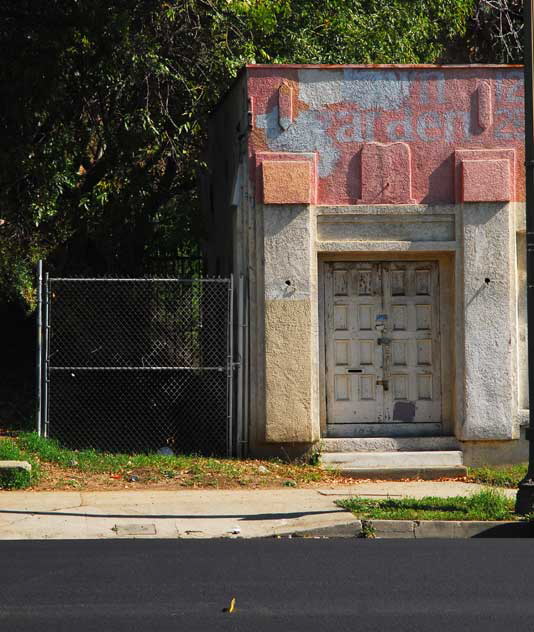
<point x="435" y="111"/>
<point x="308" y="133"/>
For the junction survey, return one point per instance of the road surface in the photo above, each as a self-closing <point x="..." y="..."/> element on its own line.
<point x="279" y="584"/>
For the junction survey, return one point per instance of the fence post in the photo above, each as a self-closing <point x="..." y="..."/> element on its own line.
<point x="46" y="347"/>
<point x="230" y="360"/>
<point x="246" y="367"/>
<point x="39" y="356"/>
<point x="240" y="336"/>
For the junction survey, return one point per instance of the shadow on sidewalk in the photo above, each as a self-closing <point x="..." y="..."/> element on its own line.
<point x="263" y="516"/>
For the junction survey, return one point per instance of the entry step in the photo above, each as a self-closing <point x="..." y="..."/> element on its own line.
<point x="427" y="473"/>
<point x="389" y="444"/>
<point x="385" y="460"/>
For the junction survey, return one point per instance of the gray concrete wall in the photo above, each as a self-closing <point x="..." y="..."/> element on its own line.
<point x="483" y="357"/>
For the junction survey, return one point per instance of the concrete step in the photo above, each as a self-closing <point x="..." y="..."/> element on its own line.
<point x="389" y="444"/>
<point x="385" y="460"/>
<point x="426" y="473"/>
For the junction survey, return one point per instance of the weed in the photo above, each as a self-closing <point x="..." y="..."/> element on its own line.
<point x="315" y="457"/>
<point x="488" y="504"/>
<point x="191" y="470"/>
<point x="368" y="532"/>
<point x="498" y="476"/>
<point x="16" y="479"/>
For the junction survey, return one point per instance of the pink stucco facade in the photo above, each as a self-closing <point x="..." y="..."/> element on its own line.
<point x="332" y="192"/>
<point x="388" y="134"/>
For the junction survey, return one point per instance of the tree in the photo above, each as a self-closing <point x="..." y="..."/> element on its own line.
<point x="494" y="34"/>
<point x="104" y="106"/>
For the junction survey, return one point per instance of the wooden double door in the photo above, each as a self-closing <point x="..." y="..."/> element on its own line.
<point x="382" y="347"/>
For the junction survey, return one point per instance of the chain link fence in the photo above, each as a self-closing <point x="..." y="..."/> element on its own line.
<point x="137" y="364"/>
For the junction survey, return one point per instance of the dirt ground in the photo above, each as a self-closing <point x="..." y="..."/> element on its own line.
<point x="56" y="478"/>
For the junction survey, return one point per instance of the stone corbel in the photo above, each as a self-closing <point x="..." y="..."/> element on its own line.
<point x="286" y="178"/>
<point x="484" y="175"/>
<point x="386" y="174"/>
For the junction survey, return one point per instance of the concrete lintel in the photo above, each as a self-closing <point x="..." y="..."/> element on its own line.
<point x="388" y="209"/>
<point x="386" y="246"/>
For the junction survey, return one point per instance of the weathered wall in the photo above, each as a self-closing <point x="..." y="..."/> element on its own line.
<point x="481" y="453"/>
<point x="489" y="322"/>
<point x="341" y="113"/>
<point x="291" y="344"/>
<point x="522" y="342"/>
<point x="444" y="143"/>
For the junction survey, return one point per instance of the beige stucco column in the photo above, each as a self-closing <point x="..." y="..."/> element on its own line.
<point x="488" y="293"/>
<point x="291" y="338"/>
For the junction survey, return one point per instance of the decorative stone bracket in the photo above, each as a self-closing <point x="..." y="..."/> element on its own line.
<point x="386" y="174"/>
<point x="285" y="178"/>
<point x="285" y="105"/>
<point x="484" y="175"/>
<point x="481" y="175"/>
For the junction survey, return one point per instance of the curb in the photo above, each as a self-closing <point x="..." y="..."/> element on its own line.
<point x="419" y="530"/>
<point x="15" y="465"/>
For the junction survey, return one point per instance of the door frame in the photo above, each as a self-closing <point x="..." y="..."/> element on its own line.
<point x="447" y="326"/>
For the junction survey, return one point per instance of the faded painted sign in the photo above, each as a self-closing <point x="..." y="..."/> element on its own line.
<point x="336" y="111"/>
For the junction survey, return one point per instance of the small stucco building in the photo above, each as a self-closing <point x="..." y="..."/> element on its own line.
<point x="373" y="219"/>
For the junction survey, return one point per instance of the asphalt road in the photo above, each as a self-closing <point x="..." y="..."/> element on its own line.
<point x="289" y="585"/>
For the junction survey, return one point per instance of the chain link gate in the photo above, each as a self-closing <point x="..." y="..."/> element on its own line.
<point x="133" y="365"/>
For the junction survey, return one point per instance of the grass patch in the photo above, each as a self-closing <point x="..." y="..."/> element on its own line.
<point x="498" y="476"/>
<point x="488" y="504"/>
<point x="60" y="468"/>
<point x="50" y="451"/>
<point x="16" y="479"/>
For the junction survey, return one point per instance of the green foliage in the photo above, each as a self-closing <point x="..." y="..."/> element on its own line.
<point x="498" y="475"/>
<point x="368" y="532"/>
<point x="49" y="450"/>
<point x="9" y="451"/>
<point x="488" y="504"/>
<point x="361" y="31"/>
<point x="105" y="102"/>
<point x="16" y="479"/>
<point x="80" y="467"/>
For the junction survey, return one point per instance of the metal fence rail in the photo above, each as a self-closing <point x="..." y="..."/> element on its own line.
<point x="137" y="364"/>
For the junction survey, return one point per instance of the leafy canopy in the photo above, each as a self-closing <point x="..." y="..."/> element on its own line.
<point x="104" y="104"/>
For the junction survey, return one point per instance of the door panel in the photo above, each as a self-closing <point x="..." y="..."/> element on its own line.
<point x="382" y="343"/>
<point x="352" y="353"/>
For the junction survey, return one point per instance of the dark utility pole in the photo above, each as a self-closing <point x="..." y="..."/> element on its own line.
<point x="525" y="494"/>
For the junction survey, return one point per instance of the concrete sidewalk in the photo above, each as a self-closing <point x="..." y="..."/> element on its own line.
<point x="193" y="513"/>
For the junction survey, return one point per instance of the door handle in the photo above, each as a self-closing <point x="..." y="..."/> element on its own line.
<point x="384" y="341"/>
<point x="354" y="370"/>
<point x="384" y="384"/>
